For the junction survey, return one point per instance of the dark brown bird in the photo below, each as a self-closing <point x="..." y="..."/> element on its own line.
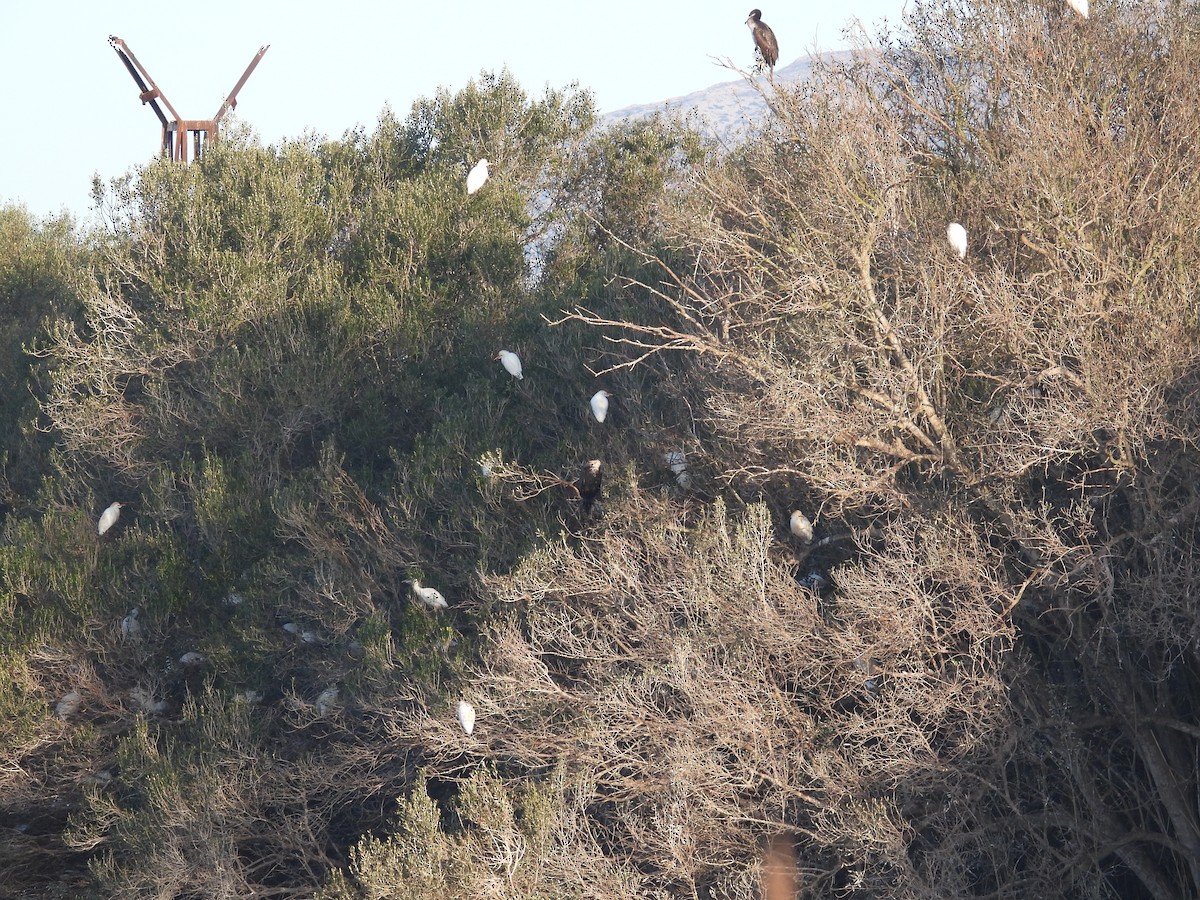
<point x="764" y="40"/>
<point x="589" y="483"/>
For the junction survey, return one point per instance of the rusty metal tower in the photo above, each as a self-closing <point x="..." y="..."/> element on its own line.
<point x="176" y="130"/>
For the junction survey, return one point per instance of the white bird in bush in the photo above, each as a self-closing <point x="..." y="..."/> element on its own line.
<point x="466" y="716"/>
<point x="68" y="705"/>
<point x="511" y="363"/>
<point x="957" y="235"/>
<point x="131" y="628"/>
<point x="1080" y="6"/>
<point x="191" y="658"/>
<point x="431" y="597"/>
<point x="599" y="403"/>
<point x="108" y="518"/>
<point x="801" y="527"/>
<point x="477" y="176"/>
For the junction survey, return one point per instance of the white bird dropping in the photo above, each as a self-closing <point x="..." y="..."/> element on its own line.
<point x="1080" y="6"/>
<point x="957" y="235"/>
<point x="477" y="176"/>
<point x="431" y="597"/>
<point x="466" y="716"/>
<point x="801" y="527"/>
<point x="108" y="518"/>
<point x="599" y="404"/>
<point x="511" y="363"/>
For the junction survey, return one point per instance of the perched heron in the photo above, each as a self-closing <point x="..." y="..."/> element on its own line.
<point x="477" y="176"/>
<point x="599" y="403"/>
<point x="957" y="236"/>
<point x="764" y="40"/>
<point x="466" y="716"/>
<point x="431" y="597"/>
<point x="589" y="483"/>
<point x="511" y="363"/>
<point x="108" y="518"/>
<point x="801" y="527"/>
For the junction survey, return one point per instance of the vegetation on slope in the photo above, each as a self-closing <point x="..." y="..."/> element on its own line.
<point x="979" y="677"/>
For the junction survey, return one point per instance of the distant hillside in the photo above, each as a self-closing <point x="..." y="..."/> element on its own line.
<point x="729" y="105"/>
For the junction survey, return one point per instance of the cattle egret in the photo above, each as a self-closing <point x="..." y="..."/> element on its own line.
<point x="466" y="716"/>
<point x="764" y="40"/>
<point x="131" y="628"/>
<point x="143" y="698"/>
<point x="327" y="701"/>
<point x="589" y="482"/>
<point x="801" y="527"/>
<point x="108" y="518"/>
<point x="192" y="658"/>
<point x="431" y="597"/>
<point x="1080" y="6"/>
<point x="477" y="176"/>
<point x="68" y="704"/>
<point x="511" y="363"/>
<point x="957" y="235"/>
<point x="599" y="404"/>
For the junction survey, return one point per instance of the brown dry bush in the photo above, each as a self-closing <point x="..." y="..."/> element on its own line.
<point x="1010" y="439"/>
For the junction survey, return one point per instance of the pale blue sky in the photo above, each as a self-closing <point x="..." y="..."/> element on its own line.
<point x="71" y="109"/>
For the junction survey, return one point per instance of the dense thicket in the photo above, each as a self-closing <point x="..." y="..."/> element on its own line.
<point x="978" y="678"/>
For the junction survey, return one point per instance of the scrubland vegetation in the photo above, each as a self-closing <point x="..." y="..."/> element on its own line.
<point x="981" y="678"/>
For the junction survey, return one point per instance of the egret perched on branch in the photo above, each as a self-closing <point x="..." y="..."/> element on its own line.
<point x="957" y="236"/>
<point x="599" y="404"/>
<point x="511" y="363"/>
<point x="764" y="40"/>
<point x="131" y="628"/>
<point x="1080" y="6"/>
<point x="431" y="597"/>
<point x="477" y="176"/>
<point x="801" y="527"/>
<point x="108" y="518"/>
<point x="466" y="716"/>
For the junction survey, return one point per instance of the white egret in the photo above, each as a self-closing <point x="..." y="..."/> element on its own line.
<point x="801" y="527"/>
<point x="131" y="628"/>
<point x="108" y="518"/>
<point x="327" y="701"/>
<point x="1080" y="6"/>
<point x="192" y="658"/>
<point x="477" y="176"/>
<point x="764" y="40"/>
<point x="68" y="704"/>
<point x="511" y="363"/>
<point x="431" y="597"/>
<point x="599" y="403"/>
<point x="466" y="716"/>
<point x="957" y="235"/>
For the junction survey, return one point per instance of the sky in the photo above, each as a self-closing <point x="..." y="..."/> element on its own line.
<point x="71" y="110"/>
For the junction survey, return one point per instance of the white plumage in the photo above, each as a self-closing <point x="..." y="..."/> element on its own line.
<point x="477" y="176"/>
<point x="801" y="527"/>
<point x="192" y="658"/>
<point x="466" y="716"/>
<point x="131" y="628"/>
<point x="957" y="235"/>
<point x="1080" y="6"/>
<point x="511" y="363"/>
<point x="68" y="705"/>
<point x="599" y="404"/>
<point x="108" y="518"/>
<point x="431" y="597"/>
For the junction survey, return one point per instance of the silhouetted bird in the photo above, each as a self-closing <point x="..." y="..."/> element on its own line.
<point x="589" y="483"/>
<point x="764" y="40"/>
